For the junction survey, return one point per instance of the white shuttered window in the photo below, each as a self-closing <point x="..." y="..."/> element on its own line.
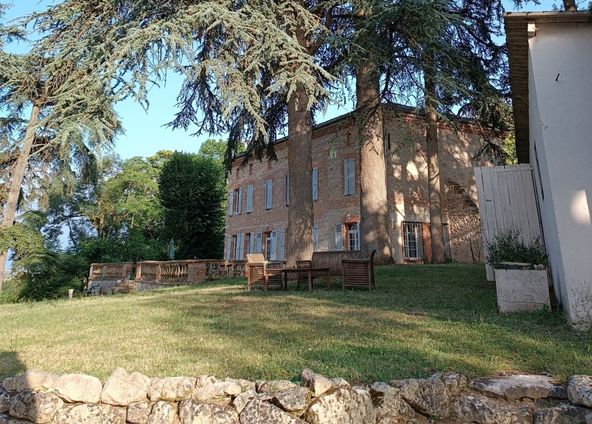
<point x="230" y="203"/>
<point x="249" y="206"/>
<point x="281" y="245"/>
<point x="338" y="237"/>
<point x="227" y="248"/>
<point x="349" y="177"/>
<point x="239" y="200"/>
<point x="315" y="184"/>
<point x="268" y="194"/>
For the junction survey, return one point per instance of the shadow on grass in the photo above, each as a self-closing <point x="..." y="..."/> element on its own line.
<point x="418" y="320"/>
<point x="10" y="364"/>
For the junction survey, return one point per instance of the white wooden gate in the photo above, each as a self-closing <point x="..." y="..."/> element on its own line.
<point x="506" y="201"/>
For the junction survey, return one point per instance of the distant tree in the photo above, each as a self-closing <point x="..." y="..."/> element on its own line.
<point x="213" y="149"/>
<point x="116" y="218"/>
<point x="192" y="192"/>
<point x="70" y="119"/>
<point x="250" y="68"/>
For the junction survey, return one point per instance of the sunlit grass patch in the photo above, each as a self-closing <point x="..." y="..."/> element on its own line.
<point x="420" y="319"/>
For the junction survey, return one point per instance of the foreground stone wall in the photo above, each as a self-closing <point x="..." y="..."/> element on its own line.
<point x="446" y="397"/>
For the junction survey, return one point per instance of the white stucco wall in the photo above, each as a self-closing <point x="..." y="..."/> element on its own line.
<point x="560" y="98"/>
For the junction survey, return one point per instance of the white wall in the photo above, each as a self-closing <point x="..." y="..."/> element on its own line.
<point x="560" y="97"/>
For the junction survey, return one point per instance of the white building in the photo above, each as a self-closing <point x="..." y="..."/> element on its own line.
<point x="551" y="76"/>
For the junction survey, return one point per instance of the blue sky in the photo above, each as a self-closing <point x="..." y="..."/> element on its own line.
<point x="145" y="133"/>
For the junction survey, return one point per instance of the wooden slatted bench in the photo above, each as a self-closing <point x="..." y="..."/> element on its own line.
<point x="358" y="272"/>
<point x="333" y="260"/>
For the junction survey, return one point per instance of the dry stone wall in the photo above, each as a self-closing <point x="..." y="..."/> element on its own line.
<point x="38" y="397"/>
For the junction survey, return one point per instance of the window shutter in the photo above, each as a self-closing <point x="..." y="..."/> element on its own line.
<point x="345" y="177"/>
<point x="315" y="237"/>
<point x="251" y="243"/>
<point x="268" y="194"/>
<point x="287" y="190"/>
<point x="338" y="237"/>
<point x="241" y="247"/>
<point x="273" y="237"/>
<point x="227" y="248"/>
<point x="249" y="207"/>
<point x="258" y="242"/>
<point x="281" y="247"/>
<point x="351" y="176"/>
<point x="239" y="201"/>
<point x="230" y="203"/>
<point x="315" y="184"/>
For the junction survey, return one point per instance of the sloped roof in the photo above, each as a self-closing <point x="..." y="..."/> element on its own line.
<point x="516" y="25"/>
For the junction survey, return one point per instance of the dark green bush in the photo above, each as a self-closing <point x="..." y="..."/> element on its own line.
<point x="508" y="246"/>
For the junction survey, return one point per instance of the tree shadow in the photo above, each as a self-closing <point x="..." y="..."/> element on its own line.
<point x="420" y="319"/>
<point x="10" y="364"/>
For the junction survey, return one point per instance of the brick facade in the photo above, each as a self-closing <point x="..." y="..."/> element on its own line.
<point x="335" y="212"/>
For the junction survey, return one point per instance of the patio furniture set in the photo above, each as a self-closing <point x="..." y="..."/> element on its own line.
<point x="353" y="270"/>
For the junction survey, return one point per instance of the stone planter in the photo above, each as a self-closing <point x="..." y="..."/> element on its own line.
<point x="521" y="290"/>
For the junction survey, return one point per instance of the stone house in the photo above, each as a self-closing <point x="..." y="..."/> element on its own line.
<point x="258" y="201"/>
<point x="550" y="57"/>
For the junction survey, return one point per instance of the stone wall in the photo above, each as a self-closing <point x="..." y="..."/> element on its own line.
<point x="445" y="397"/>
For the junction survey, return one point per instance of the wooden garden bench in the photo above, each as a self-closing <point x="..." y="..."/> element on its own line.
<point x="333" y="259"/>
<point x="261" y="272"/>
<point x="358" y="272"/>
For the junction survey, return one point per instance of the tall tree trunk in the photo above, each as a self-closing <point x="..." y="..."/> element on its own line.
<point x="16" y="181"/>
<point x="299" y="235"/>
<point x="300" y="212"/>
<point x="570" y="5"/>
<point x="434" y="188"/>
<point x="374" y="213"/>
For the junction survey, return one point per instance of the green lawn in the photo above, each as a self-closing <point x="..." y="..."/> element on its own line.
<point x="420" y="319"/>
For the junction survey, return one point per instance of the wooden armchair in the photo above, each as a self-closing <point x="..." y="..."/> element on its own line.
<point x="260" y="272"/>
<point x="358" y="272"/>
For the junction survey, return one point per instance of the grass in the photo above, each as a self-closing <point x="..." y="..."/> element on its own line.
<point x="419" y="320"/>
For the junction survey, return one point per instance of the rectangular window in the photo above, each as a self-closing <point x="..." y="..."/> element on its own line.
<point x="281" y="245"/>
<point x="315" y="237"/>
<point x="250" y="169"/>
<point x="249" y="242"/>
<point x="353" y="236"/>
<point x="258" y="243"/>
<point x="339" y="237"/>
<point x="249" y="206"/>
<point x="239" y="200"/>
<point x="349" y="177"/>
<point x="315" y="184"/>
<point x="239" y="247"/>
<point x="287" y="190"/>
<point x="227" y="247"/>
<point x="230" y="203"/>
<point x="271" y="246"/>
<point x="412" y="240"/>
<point x="268" y="194"/>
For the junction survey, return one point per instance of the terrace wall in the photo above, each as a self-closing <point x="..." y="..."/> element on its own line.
<point x="445" y="397"/>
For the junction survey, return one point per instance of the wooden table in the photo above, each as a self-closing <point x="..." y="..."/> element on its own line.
<point x="309" y="273"/>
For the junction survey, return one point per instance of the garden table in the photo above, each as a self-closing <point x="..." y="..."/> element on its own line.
<point x="310" y="273"/>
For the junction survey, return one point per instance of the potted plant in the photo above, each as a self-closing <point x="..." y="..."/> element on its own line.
<point x="521" y="278"/>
